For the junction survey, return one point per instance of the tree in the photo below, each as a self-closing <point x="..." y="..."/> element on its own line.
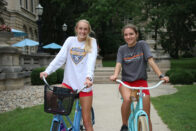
<point x="174" y="22"/>
<point x="106" y="18"/>
<point x="56" y="13"/>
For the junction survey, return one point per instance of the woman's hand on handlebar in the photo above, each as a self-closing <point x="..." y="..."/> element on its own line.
<point x="88" y="82"/>
<point x="166" y="79"/>
<point x="43" y="74"/>
<point x="113" y="78"/>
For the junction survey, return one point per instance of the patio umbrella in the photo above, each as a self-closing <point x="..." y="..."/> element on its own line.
<point x="26" y="42"/>
<point x="18" y="33"/>
<point x="52" y="46"/>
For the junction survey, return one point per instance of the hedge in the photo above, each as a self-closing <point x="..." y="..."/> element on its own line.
<point x="180" y="76"/>
<point x="53" y="78"/>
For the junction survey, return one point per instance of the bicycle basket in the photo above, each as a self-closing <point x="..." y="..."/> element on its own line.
<point x="58" y="101"/>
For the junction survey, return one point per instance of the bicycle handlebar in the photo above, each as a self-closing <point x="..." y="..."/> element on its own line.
<point x="140" y="88"/>
<point x="44" y="79"/>
<point x="78" y="91"/>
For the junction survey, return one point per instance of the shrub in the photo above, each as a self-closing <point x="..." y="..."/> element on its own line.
<point x="194" y="74"/>
<point x="60" y="74"/>
<point x="52" y="78"/>
<point x="181" y="77"/>
<point x="35" y="77"/>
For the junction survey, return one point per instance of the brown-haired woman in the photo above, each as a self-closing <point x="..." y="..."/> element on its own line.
<point x="133" y="58"/>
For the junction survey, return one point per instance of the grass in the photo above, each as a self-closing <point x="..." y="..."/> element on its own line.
<point x="184" y="63"/>
<point x="31" y="119"/>
<point x="178" y="110"/>
<point x="109" y="63"/>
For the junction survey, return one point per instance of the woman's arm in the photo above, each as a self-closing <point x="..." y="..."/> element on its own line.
<point x="116" y="72"/>
<point x="92" y="56"/>
<point x="60" y="58"/>
<point x="157" y="70"/>
<point x="91" y="63"/>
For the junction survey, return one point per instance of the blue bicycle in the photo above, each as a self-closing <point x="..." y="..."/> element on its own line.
<point x="59" y="101"/>
<point x="138" y="119"/>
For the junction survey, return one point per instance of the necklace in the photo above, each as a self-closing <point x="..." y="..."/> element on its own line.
<point x="132" y="50"/>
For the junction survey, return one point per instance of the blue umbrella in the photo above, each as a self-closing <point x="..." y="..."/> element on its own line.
<point x="52" y="46"/>
<point x="26" y="42"/>
<point x="18" y="33"/>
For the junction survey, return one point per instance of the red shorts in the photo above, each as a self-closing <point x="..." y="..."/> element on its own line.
<point x="81" y="94"/>
<point x="138" y="83"/>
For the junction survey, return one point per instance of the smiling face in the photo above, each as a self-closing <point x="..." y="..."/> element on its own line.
<point x="130" y="36"/>
<point x="82" y="30"/>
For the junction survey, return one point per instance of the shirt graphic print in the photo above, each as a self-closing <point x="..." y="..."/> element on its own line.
<point x="77" y="54"/>
<point x="130" y="58"/>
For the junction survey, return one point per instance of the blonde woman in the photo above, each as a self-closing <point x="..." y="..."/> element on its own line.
<point x="79" y="53"/>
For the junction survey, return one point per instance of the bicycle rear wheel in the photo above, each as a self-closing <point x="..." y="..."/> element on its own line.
<point x="142" y="124"/>
<point x="55" y="126"/>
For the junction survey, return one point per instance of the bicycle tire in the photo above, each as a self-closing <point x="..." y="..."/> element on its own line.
<point x="55" y="126"/>
<point x="142" y="124"/>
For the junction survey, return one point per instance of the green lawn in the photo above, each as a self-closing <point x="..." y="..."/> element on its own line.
<point x="28" y="119"/>
<point x="109" y="63"/>
<point x="178" y="110"/>
<point x="185" y="63"/>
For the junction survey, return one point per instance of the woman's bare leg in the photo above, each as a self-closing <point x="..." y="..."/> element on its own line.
<point x="125" y="108"/>
<point x="146" y="106"/>
<point x="86" y="104"/>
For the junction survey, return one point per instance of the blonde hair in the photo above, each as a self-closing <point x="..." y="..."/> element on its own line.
<point x="88" y="43"/>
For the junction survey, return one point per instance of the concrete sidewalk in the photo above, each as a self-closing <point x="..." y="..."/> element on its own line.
<point x="107" y="104"/>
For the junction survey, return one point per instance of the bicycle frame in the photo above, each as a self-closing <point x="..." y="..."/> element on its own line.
<point x="75" y="125"/>
<point x="137" y="110"/>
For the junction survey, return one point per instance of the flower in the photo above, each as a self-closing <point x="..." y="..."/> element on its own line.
<point x="5" y="28"/>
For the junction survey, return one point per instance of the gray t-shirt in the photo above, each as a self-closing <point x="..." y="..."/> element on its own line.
<point x="134" y="61"/>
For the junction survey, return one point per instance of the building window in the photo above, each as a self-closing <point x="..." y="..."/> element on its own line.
<point x="32" y="6"/>
<point x="26" y="4"/>
<point x="20" y="2"/>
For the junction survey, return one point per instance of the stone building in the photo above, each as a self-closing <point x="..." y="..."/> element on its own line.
<point x="20" y="15"/>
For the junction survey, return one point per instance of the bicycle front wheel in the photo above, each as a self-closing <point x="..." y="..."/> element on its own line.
<point x="55" y="126"/>
<point x="142" y="124"/>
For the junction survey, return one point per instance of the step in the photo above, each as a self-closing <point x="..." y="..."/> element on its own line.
<point x="103" y="74"/>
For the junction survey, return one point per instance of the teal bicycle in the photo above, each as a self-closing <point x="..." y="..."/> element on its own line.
<point x="59" y="101"/>
<point x="138" y="119"/>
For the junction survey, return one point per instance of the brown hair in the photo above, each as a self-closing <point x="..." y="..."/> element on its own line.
<point x="88" y="44"/>
<point x="130" y="26"/>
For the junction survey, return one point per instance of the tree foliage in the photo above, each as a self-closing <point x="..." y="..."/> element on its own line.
<point x="56" y="13"/>
<point x="174" y="21"/>
<point x="106" y="18"/>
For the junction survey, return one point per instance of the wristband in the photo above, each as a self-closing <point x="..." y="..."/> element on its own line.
<point x="161" y="76"/>
<point x="89" y="78"/>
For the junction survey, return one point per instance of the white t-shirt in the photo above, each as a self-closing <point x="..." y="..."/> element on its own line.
<point x="79" y="64"/>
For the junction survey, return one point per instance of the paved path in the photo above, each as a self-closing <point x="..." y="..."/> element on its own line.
<point x="107" y="105"/>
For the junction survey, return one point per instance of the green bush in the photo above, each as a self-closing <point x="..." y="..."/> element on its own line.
<point x="35" y="77"/>
<point x="60" y="74"/>
<point x="192" y="71"/>
<point x="52" y="78"/>
<point x="194" y="74"/>
<point x="181" y="77"/>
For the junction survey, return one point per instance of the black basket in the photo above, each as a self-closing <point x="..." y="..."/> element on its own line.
<point x="58" y="100"/>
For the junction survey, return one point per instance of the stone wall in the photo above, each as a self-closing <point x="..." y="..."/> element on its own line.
<point x="15" y="67"/>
